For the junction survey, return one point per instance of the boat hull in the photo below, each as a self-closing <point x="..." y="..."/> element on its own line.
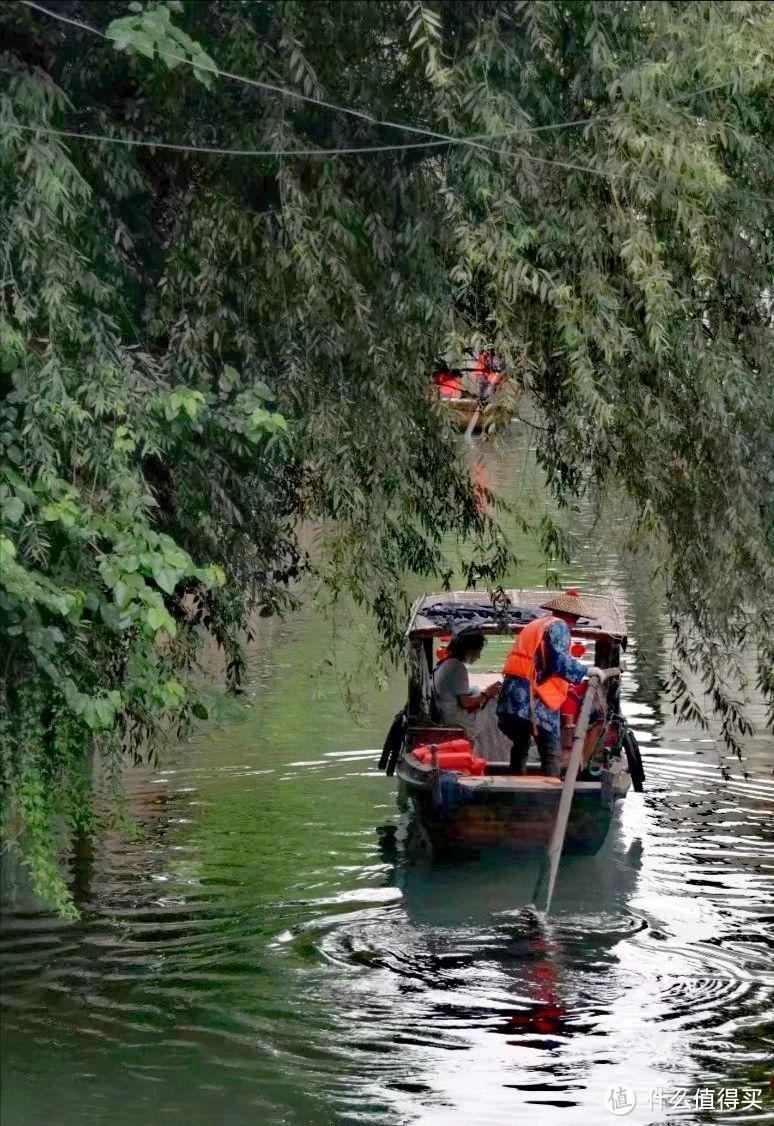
<point x="500" y="816"/>
<point x="461" y="411"/>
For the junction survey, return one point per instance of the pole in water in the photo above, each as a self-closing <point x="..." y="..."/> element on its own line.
<point x="550" y="867"/>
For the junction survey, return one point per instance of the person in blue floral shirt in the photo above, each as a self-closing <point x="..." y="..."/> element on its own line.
<point x="521" y="712"/>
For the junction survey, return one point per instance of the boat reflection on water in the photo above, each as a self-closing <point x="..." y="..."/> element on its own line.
<point x="493" y="883"/>
<point x="534" y="960"/>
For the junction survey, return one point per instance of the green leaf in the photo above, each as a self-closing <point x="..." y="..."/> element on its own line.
<point x="166" y="577"/>
<point x="169" y="695"/>
<point x="106" y="711"/>
<point x="143" y="43"/>
<point x="177" y="559"/>
<point x="7" y="551"/>
<point x="62" y="512"/>
<point x="212" y="575"/>
<point x="120" y="28"/>
<point x="174" y="692"/>
<point x="204" y="76"/>
<point x="261" y="421"/>
<point x="229" y="378"/>
<point x="99" y="712"/>
<point x="171" y="55"/>
<point x="89" y="713"/>
<point x="157" y="618"/>
<point x="12" y="510"/>
<point x="123" y="593"/>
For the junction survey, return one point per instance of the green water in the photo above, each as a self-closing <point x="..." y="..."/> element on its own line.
<point x="269" y="951"/>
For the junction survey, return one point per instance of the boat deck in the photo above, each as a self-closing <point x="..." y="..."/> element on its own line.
<point x="413" y="771"/>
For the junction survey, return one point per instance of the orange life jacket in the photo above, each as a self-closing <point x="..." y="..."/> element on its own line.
<point x="521" y="662"/>
<point x="482" y="369"/>
<point x="449" y="385"/>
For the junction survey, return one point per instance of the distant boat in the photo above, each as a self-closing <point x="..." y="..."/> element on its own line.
<point x="462" y="802"/>
<point x="465" y="391"/>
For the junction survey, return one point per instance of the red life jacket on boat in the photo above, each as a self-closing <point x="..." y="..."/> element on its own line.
<point x="483" y="369"/>
<point x="449" y="385"/>
<point x="521" y="662"/>
<point x="453" y="754"/>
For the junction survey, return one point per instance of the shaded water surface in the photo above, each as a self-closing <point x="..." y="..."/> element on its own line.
<point x="269" y="950"/>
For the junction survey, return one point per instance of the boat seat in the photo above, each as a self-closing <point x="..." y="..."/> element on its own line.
<point x="433" y="733"/>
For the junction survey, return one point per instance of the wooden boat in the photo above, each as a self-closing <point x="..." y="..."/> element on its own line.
<point x="456" y="808"/>
<point x="465" y="392"/>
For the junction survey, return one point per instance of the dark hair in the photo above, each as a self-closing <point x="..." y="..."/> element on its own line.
<point x="465" y="643"/>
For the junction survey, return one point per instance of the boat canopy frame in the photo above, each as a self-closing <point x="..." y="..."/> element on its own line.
<point x="433" y="614"/>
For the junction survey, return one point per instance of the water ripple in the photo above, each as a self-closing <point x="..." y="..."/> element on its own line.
<point x="269" y="948"/>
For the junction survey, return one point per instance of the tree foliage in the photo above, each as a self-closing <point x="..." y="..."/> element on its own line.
<point x="200" y="351"/>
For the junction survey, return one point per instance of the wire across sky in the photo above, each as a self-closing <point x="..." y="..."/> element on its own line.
<point x="435" y="139"/>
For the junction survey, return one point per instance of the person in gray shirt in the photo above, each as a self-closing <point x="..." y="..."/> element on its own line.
<point x="460" y="705"/>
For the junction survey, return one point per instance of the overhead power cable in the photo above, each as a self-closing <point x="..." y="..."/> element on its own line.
<point x="474" y="140"/>
<point x="439" y="139"/>
<point x="283" y="90"/>
<point x="136" y="142"/>
<point x="146" y="142"/>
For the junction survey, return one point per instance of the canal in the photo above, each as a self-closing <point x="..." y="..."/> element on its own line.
<point x="265" y="949"/>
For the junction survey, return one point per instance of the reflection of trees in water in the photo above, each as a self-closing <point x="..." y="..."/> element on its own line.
<point x="81" y="869"/>
<point x="646" y="624"/>
<point x="93" y="865"/>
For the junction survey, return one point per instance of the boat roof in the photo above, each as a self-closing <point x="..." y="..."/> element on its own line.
<point x="432" y="614"/>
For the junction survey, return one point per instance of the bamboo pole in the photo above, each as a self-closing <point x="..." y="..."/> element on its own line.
<point x="472" y="424"/>
<point x="556" y="843"/>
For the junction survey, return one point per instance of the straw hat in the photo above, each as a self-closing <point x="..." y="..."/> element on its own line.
<point x="571" y="602"/>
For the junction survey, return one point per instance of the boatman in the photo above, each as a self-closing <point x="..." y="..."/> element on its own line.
<point x="537" y="675"/>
